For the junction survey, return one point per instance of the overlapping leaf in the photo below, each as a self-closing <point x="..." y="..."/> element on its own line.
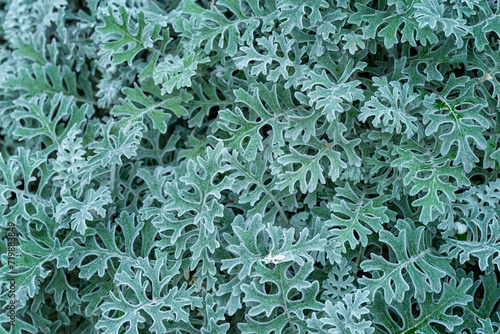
<point x="414" y="262"/>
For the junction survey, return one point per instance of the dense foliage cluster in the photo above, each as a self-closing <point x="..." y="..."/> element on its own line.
<point x="251" y="166"/>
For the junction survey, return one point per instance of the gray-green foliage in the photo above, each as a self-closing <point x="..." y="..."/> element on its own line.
<point x="251" y="166"/>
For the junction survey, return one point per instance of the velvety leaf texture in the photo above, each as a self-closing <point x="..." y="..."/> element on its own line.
<point x="250" y="166"/>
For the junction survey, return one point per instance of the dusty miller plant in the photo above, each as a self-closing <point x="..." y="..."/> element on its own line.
<point x="251" y="166"/>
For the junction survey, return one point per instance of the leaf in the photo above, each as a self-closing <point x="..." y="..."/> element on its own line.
<point x="294" y="13"/>
<point x="328" y="95"/>
<point x="244" y="246"/>
<point x="149" y="106"/>
<point x="391" y="106"/>
<point x="112" y="147"/>
<point x="482" y="242"/>
<point x="103" y="245"/>
<point x="310" y="168"/>
<point x="282" y="246"/>
<point x="364" y="213"/>
<point x="289" y="250"/>
<point x="488" y="64"/>
<point x="23" y="168"/>
<point x="345" y="316"/>
<point x="256" y="187"/>
<point x="70" y="160"/>
<point x="395" y="23"/>
<point x="92" y="203"/>
<point x="129" y="304"/>
<point x="213" y="313"/>
<point x="476" y="311"/>
<point x="340" y="281"/>
<point x="60" y="287"/>
<point x="94" y="293"/>
<point x="176" y="72"/>
<point x="52" y="123"/>
<point x="37" y="256"/>
<point x="125" y="43"/>
<point x="204" y="193"/>
<point x="426" y="172"/>
<point x="50" y="80"/>
<point x="487" y="327"/>
<point x="41" y="245"/>
<point x="262" y="303"/>
<point x="215" y="30"/>
<point x="414" y="262"/>
<point x="432" y="311"/>
<point x="260" y="62"/>
<point x="461" y="121"/>
<point x="430" y="13"/>
<point x="245" y="131"/>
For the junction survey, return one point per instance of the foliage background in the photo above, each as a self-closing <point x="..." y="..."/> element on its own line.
<point x="272" y="166"/>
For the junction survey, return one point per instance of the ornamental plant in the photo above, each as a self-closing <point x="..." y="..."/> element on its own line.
<point x="250" y="166"/>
